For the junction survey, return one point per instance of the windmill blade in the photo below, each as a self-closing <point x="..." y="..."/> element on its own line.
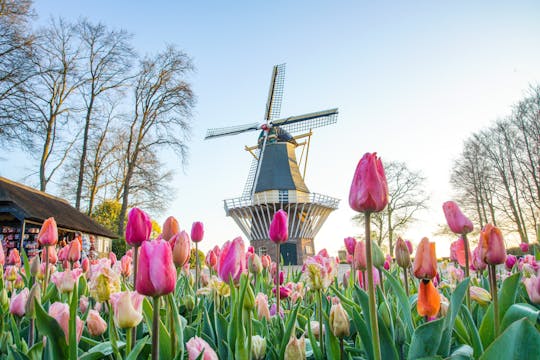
<point x="231" y="130"/>
<point x="275" y="93"/>
<point x="248" y="187"/>
<point x="306" y="122"/>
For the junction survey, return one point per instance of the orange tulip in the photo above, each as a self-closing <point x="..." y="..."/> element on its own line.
<point x="429" y="299"/>
<point x="425" y="261"/>
<point x="170" y="228"/>
<point x="491" y="244"/>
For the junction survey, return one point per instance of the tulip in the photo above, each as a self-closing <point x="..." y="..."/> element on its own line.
<point x="60" y="312"/>
<point x="339" y="321"/>
<point x="48" y="234"/>
<point x="524" y="247"/>
<point x="457" y="252"/>
<point x="457" y="222"/>
<point x="480" y="295"/>
<point x="103" y="282"/>
<point x="74" y="251"/>
<point x="35" y="264"/>
<point x="11" y="273"/>
<point x="232" y="260"/>
<point x="477" y="262"/>
<point x="125" y="266"/>
<point x="181" y="248"/>
<point x="279" y="227"/>
<point x="127" y="308"/>
<point x="112" y="258"/>
<point x="401" y="252"/>
<point x="316" y="329"/>
<point x="296" y="349"/>
<point x="95" y="323"/>
<point x="492" y="249"/>
<point x="261" y="306"/>
<point x="83" y="304"/>
<point x="14" y="258"/>
<point x="2" y="256"/>
<point x="266" y="260"/>
<point x="170" y="228"/>
<point x="387" y="262"/>
<point x="65" y="280"/>
<point x="369" y="189"/>
<point x="196" y="345"/>
<point x="429" y="299"/>
<point x="157" y="275"/>
<point x="425" y="261"/>
<point x="34" y="295"/>
<point x="138" y="228"/>
<point x="377" y="256"/>
<point x="284" y="292"/>
<point x="359" y="259"/>
<point x="18" y="302"/>
<point x="254" y="264"/>
<point x="532" y="285"/>
<point x="258" y="350"/>
<point x="19" y="282"/>
<point x="197" y="231"/>
<point x="211" y="259"/>
<point x="350" y="243"/>
<point x="510" y="262"/>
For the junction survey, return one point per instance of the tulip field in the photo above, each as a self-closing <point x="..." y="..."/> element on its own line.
<point x="236" y="304"/>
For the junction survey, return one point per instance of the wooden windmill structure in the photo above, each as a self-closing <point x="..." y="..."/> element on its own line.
<point x="276" y="179"/>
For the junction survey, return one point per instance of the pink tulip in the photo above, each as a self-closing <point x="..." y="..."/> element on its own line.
<point x="409" y="246"/>
<point x="195" y="346"/>
<point x="95" y="323"/>
<point x="266" y="260"/>
<point x="211" y="260"/>
<point x="524" y="247"/>
<point x="492" y="249"/>
<point x="457" y="222"/>
<point x="477" y="262"/>
<point x="17" y="305"/>
<point x="127" y="307"/>
<point x="181" y="248"/>
<point x="170" y="228"/>
<point x="359" y="258"/>
<point x="232" y="260"/>
<point x="74" y="251"/>
<point x="279" y="227"/>
<point x="112" y="257"/>
<point x="510" y="262"/>
<point x="284" y="292"/>
<point x="125" y="265"/>
<point x="261" y="306"/>
<point x="250" y="250"/>
<point x="197" y="231"/>
<point x="14" y="258"/>
<point x="85" y="264"/>
<point x="62" y="254"/>
<point x="83" y="304"/>
<point x="2" y="256"/>
<point x="60" y="312"/>
<point x="156" y="273"/>
<point x="138" y="227"/>
<point x="369" y="189"/>
<point x="65" y="280"/>
<point x="532" y="285"/>
<point x="387" y="262"/>
<point x="457" y="252"/>
<point x="350" y="243"/>
<point x="48" y="234"/>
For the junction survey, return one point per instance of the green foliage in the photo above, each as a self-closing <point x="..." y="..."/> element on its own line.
<point x="119" y="246"/>
<point x="107" y="214"/>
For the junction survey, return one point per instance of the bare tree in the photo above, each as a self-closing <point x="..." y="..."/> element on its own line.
<point x="162" y="108"/>
<point x="105" y="63"/>
<point x="406" y="198"/>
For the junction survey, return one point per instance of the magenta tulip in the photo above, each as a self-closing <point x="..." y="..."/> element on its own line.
<point x="138" y="227"/>
<point x="350" y="242"/>
<point x="232" y="260"/>
<point x="524" y="247"/>
<point x="510" y="262"/>
<point x="197" y="231"/>
<point x="48" y="235"/>
<point x="369" y="189"/>
<point x="156" y="273"/>
<point x="279" y="228"/>
<point x="458" y="223"/>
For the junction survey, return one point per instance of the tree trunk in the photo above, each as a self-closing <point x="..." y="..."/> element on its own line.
<point x="83" y="152"/>
<point x="45" y="154"/>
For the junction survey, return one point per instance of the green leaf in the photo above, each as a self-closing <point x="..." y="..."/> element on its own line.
<point x="476" y="342"/>
<point x="314" y="345"/>
<point x="141" y="343"/>
<point x="16" y="354"/>
<point x="403" y="301"/>
<point x="73" y="345"/>
<point x="519" y="311"/>
<point x="99" y="351"/>
<point x="291" y="321"/>
<point x="462" y="352"/>
<point x="521" y="340"/>
<point x="164" y="337"/>
<point x="426" y="339"/>
<point x="36" y="351"/>
<point x="455" y="305"/>
<point x="49" y="327"/>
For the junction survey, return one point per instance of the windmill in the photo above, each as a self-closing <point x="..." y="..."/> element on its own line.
<point x="275" y="180"/>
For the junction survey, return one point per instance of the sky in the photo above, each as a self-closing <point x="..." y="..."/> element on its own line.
<point x="412" y="80"/>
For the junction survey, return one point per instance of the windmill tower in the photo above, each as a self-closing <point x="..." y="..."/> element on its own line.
<point x="276" y="179"/>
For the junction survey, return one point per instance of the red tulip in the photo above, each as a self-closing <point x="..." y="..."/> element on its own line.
<point x="156" y="273"/>
<point x="74" y="251"/>
<point x="48" y="235"/>
<point x="197" y="231"/>
<point x="232" y="260"/>
<point x="181" y="248"/>
<point x="425" y="261"/>
<point x="429" y="299"/>
<point x="279" y="228"/>
<point x="359" y="258"/>
<point x="350" y="242"/>
<point x="170" y="228"/>
<point x="138" y="227"/>
<point x="492" y="249"/>
<point x="369" y="189"/>
<point x="458" y="223"/>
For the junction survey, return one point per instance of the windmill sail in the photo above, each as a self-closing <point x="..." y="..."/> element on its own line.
<point x="306" y="122"/>
<point x="275" y="93"/>
<point x="231" y="130"/>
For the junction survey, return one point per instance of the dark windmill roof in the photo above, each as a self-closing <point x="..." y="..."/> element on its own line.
<point x="38" y="206"/>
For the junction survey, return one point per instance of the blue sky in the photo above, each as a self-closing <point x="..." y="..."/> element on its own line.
<point x="411" y="79"/>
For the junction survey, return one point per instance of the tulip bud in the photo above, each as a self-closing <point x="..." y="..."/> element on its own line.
<point x="458" y="223"/>
<point x="14" y="258"/>
<point x="17" y="305"/>
<point x="279" y="227"/>
<point x="296" y="349"/>
<point x="197" y="231"/>
<point x="189" y="302"/>
<point x="261" y="307"/>
<point x="350" y="243"/>
<point x="369" y="188"/>
<point x="403" y="257"/>
<point x="532" y="285"/>
<point x="266" y="260"/>
<point x="359" y="259"/>
<point x="339" y="321"/>
<point x="48" y="234"/>
<point x="83" y="304"/>
<point x="156" y="274"/>
<point x="195" y="346"/>
<point x="181" y="248"/>
<point x="125" y="266"/>
<point x="510" y="261"/>
<point x="11" y="273"/>
<point x="445" y="305"/>
<point x="19" y="282"/>
<point x="315" y="329"/>
<point x="249" y="298"/>
<point x="95" y="323"/>
<point x="138" y="227"/>
<point x="425" y="261"/>
<point x="524" y="247"/>
<point x="480" y="295"/>
<point x="377" y="255"/>
<point x="127" y="308"/>
<point x="170" y="228"/>
<point x="492" y="249"/>
<point x="35" y="295"/>
<point x="258" y="347"/>
<point x="211" y="259"/>
<point x="60" y="312"/>
<point x="34" y="266"/>
<point x="232" y="260"/>
<point x="254" y="264"/>
<point x="74" y="252"/>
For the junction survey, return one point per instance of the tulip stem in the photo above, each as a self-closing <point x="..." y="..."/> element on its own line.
<point x="155" y="330"/>
<point x="197" y="285"/>
<point x="371" y="291"/>
<point x="45" y="279"/>
<point x="249" y="332"/>
<point x="172" y="327"/>
<point x="495" y="297"/>
<point x="466" y="245"/>
<point x="406" y="282"/>
<point x="278" y="257"/>
<point x="321" y="332"/>
<point x="128" y="342"/>
<point x="30" y="331"/>
<point x="135" y="266"/>
<point x="342" y="351"/>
